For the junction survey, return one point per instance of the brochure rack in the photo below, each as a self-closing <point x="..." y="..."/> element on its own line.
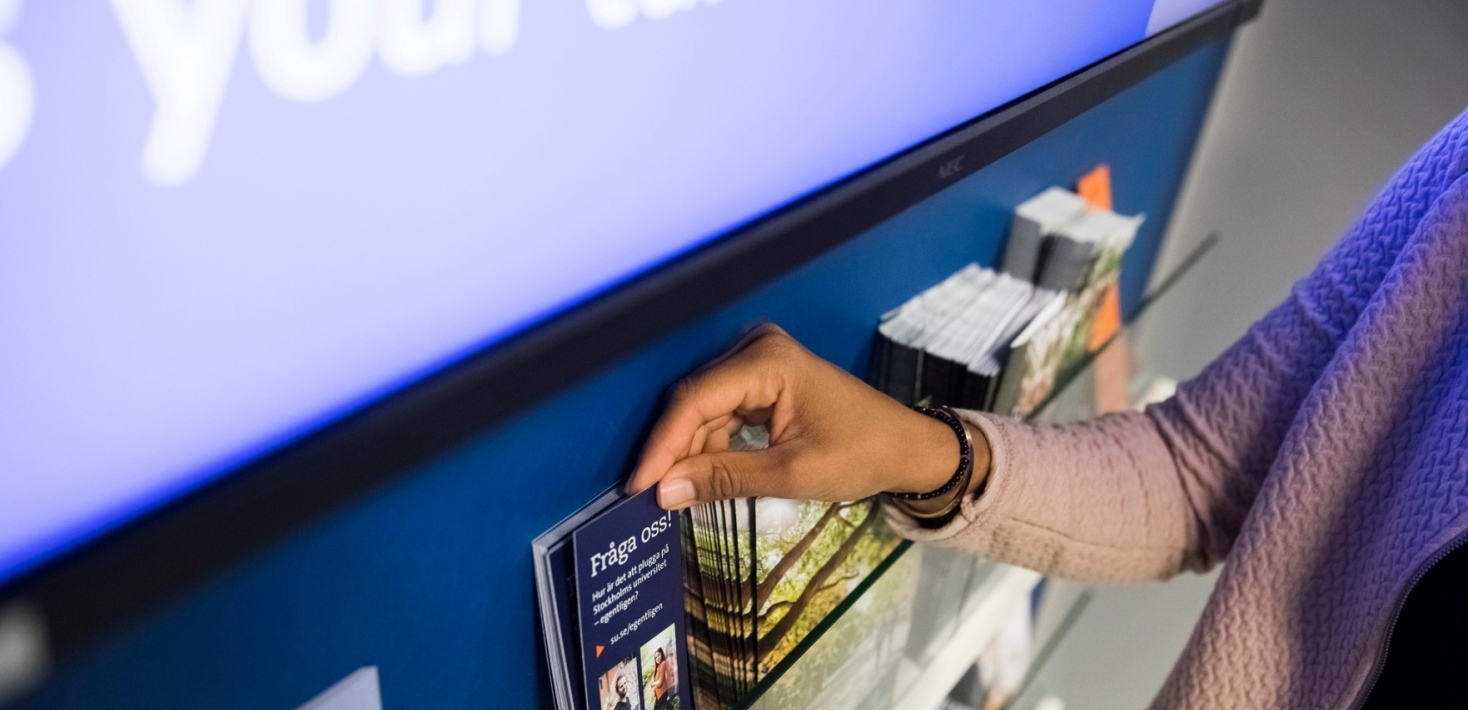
<point x="914" y="627"/>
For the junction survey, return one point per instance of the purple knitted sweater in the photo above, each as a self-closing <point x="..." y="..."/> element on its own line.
<point x="1324" y="456"/>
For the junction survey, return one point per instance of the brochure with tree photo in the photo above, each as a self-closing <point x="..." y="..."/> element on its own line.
<point x="768" y="571"/>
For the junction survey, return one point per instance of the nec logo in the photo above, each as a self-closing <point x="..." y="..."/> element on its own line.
<point x="951" y="168"/>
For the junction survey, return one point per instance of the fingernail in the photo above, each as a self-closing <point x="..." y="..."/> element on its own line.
<point x="675" y="495"/>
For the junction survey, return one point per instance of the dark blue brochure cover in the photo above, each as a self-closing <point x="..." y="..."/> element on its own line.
<point x="629" y="597"/>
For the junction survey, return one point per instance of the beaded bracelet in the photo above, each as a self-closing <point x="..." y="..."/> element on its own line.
<point x="960" y="478"/>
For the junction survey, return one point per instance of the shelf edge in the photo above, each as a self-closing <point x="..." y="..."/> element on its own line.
<point x="1010" y="586"/>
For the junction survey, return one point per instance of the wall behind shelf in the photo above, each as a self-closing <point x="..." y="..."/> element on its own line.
<point x="430" y="579"/>
<point x="1319" y="104"/>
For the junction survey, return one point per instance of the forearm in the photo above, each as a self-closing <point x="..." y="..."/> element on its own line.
<point x="1095" y="501"/>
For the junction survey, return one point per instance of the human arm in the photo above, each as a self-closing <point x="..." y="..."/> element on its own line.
<point x="1123" y="497"/>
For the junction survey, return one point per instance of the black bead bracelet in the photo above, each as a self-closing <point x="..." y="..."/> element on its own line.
<point x="965" y="455"/>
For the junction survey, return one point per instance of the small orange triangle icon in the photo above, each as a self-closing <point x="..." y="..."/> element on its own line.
<point x="599" y="650"/>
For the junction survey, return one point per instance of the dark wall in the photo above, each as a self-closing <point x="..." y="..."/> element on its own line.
<point x="430" y="579"/>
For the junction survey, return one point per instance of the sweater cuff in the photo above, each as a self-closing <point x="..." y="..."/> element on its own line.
<point x="976" y="512"/>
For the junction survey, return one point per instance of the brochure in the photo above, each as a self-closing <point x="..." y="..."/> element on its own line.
<point x="629" y="600"/>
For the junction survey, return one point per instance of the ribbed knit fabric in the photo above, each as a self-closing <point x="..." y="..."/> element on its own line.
<point x="1324" y="456"/>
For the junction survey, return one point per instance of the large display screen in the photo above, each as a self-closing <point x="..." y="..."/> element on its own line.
<point x="224" y="223"/>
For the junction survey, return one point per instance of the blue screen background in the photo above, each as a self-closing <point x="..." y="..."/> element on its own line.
<point x="327" y="252"/>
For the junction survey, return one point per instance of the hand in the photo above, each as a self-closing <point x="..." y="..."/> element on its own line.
<point x="832" y="437"/>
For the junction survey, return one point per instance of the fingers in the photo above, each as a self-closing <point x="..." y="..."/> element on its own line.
<point x="718" y="439"/>
<point x="706" y="438"/>
<point x="742" y="342"/>
<point x="700" y="406"/>
<point x="721" y="476"/>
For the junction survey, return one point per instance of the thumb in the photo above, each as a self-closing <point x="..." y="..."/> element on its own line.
<point x="704" y="478"/>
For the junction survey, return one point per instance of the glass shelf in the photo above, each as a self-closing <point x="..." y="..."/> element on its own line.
<point x="912" y="633"/>
<point x="908" y="632"/>
<point x="1039" y="678"/>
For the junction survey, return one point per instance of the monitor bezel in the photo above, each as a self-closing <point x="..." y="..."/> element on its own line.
<point x="84" y="592"/>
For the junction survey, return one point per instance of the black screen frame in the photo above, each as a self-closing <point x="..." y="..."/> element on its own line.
<point x="87" y="591"/>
